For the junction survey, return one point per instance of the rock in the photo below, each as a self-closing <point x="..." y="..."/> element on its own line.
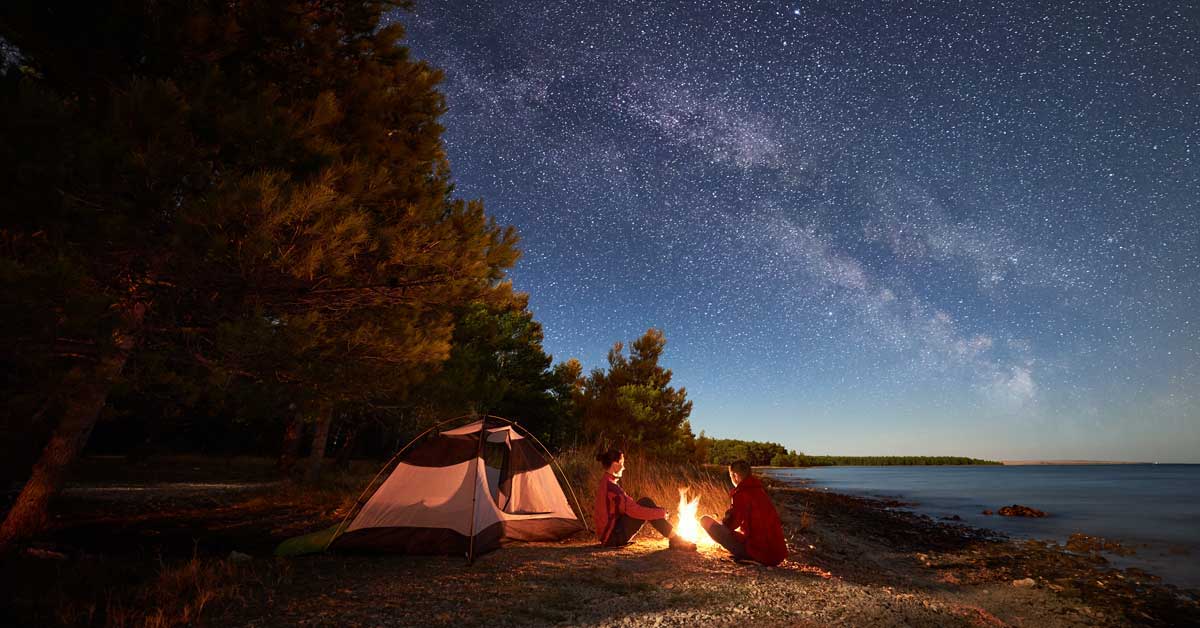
<point x="987" y="512"/>
<point x="239" y="557"/>
<point x="1179" y="550"/>
<point x="1141" y="575"/>
<point x="1017" y="510"/>
<point x="34" y="552"/>
<point x="1024" y="583"/>
<point x="1086" y="543"/>
<point x="952" y="518"/>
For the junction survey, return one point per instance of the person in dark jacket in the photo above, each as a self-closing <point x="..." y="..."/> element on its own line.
<point x="617" y="516"/>
<point x="750" y="529"/>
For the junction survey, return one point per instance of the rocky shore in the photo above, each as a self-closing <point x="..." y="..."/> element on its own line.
<point x="854" y="562"/>
<point x="859" y="539"/>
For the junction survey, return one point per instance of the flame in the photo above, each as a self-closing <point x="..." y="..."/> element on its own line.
<point x="688" y="526"/>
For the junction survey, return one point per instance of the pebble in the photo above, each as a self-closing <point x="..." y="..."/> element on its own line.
<point x="1024" y="583"/>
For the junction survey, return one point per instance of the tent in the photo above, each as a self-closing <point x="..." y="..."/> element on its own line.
<point x="460" y="491"/>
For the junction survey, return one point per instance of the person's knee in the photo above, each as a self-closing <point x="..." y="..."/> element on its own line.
<point x="647" y="502"/>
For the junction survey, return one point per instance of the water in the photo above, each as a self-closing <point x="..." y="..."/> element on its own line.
<point x="1155" y="509"/>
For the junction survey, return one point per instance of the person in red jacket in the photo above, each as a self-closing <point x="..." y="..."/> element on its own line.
<point x="750" y="529"/>
<point x="618" y="517"/>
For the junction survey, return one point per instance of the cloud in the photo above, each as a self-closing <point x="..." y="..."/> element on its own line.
<point x="901" y="319"/>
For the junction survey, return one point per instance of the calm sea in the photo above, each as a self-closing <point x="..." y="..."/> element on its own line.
<point x="1153" y="508"/>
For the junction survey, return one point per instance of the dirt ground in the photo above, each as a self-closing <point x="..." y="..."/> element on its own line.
<point x="854" y="562"/>
<point x="641" y="585"/>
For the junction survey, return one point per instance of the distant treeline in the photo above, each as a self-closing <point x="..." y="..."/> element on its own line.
<point x="800" y="460"/>
<point x="726" y="450"/>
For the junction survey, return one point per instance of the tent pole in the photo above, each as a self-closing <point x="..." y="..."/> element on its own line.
<point x="558" y="466"/>
<point x="359" y="501"/>
<point x="475" y="489"/>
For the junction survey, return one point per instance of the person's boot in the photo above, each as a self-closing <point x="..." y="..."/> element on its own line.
<point x="676" y="542"/>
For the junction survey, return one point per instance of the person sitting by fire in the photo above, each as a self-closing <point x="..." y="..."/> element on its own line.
<point x="618" y="517"/>
<point x="750" y="529"/>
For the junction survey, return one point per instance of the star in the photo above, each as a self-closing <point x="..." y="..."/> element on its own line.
<point x="872" y="219"/>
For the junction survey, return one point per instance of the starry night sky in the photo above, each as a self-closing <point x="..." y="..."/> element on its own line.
<point x="944" y="228"/>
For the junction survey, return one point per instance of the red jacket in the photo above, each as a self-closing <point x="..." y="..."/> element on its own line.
<point x="755" y="515"/>
<point x="612" y="502"/>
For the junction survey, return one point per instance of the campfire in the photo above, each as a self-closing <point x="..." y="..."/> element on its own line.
<point x="688" y="526"/>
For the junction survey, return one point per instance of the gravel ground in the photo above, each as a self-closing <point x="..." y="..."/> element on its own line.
<point x="854" y="562"/>
<point x="641" y="585"/>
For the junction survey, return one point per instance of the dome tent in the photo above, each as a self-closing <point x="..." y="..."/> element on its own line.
<point x="465" y="490"/>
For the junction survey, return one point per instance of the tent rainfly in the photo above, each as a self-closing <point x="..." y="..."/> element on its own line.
<point x="463" y="491"/>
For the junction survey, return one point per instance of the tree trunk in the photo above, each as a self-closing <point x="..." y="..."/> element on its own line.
<point x="88" y="392"/>
<point x="322" y="421"/>
<point x="347" y="448"/>
<point x="290" y="453"/>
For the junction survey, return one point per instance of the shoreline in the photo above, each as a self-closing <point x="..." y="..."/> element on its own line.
<point x="854" y="561"/>
<point x="963" y="554"/>
<point x="1127" y="526"/>
<point x="1027" y="463"/>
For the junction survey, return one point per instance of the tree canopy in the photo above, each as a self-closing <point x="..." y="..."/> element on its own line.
<point x="259" y="186"/>
<point x="233" y="225"/>
<point x="497" y="366"/>
<point x="632" y="402"/>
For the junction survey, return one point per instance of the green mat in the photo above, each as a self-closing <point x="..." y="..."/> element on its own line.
<point x="312" y="543"/>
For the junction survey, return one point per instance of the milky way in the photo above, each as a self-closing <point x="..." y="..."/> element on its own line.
<point x="865" y="227"/>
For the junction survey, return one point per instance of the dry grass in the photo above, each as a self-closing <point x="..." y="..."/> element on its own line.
<point x="336" y="492"/>
<point x="97" y="594"/>
<point x="646" y="477"/>
<point x="179" y="595"/>
<point x="125" y="586"/>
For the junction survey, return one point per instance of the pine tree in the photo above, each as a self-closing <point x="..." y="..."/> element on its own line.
<point x="497" y="365"/>
<point x="633" y="402"/>
<point x="260" y="183"/>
